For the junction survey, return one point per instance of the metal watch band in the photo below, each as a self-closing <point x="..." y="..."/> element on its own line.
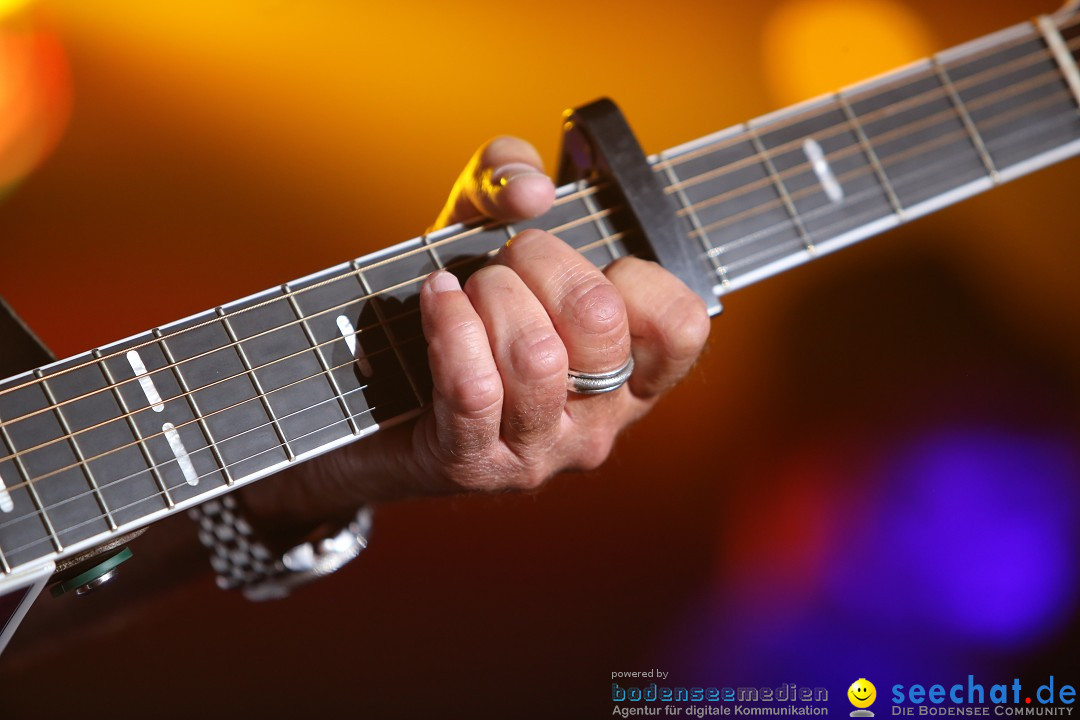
<point x="242" y="562"/>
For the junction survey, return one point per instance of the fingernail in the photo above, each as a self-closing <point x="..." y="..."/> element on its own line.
<point x="503" y="176"/>
<point x="443" y="281"/>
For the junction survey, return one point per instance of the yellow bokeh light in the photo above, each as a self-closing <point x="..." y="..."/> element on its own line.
<point x="816" y="46"/>
<point x="7" y="7"/>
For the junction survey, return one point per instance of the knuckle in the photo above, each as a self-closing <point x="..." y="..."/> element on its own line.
<point x="476" y="393"/>
<point x="595" y="449"/>
<point x="538" y="356"/>
<point x="487" y="279"/>
<point x="687" y="327"/>
<point x="530" y="478"/>
<point x="598" y="309"/>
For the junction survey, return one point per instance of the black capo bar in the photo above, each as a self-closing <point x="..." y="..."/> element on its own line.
<point x="598" y="142"/>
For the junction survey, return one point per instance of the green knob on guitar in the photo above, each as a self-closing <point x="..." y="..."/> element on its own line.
<point x="97" y="575"/>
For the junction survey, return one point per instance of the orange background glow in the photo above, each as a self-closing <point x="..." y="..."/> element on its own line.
<point x="218" y="148"/>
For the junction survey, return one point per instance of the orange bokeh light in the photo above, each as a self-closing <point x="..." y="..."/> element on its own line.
<point x="35" y="96"/>
<point x="813" y="47"/>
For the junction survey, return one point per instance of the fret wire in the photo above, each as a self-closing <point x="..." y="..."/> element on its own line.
<point x="962" y="112"/>
<point x="211" y="446"/>
<point x="260" y="393"/>
<point x="192" y="403"/>
<point x="564" y="198"/>
<point x="839" y="128"/>
<point x="913" y="101"/>
<point x="895" y="84"/>
<point x="469" y="232"/>
<point x="764" y="232"/>
<point x="268" y="423"/>
<point x="810" y="215"/>
<point x="1059" y="50"/>
<point x="407" y="282"/>
<point x="30" y="489"/>
<point x="600" y="223"/>
<point x="781" y="189"/>
<point x="199" y="417"/>
<point x="353" y="427"/>
<point x="125" y="408"/>
<point x="695" y="223"/>
<point x="925" y="170"/>
<point x="431" y="251"/>
<point x="345" y="276"/>
<point x="5" y="567"/>
<point x="795" y="170"/>
<point x="188" y="393"/>
<point x="198" y="450"/>
<point x="81" y="463"/>
<point x="799" y="194"/>
<point x="26" y="546"/>
<point x="868" y="214"/>
<point x="390" y="336"/>
<point x="871" y="155"/>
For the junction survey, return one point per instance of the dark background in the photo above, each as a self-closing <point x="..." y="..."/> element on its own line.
<point x="873" y="472"/>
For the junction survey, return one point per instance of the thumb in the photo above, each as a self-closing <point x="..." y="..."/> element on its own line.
<point x="504" y="180"/>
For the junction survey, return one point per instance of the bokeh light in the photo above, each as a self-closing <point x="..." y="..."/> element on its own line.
<point x="813" y="47"/>
<point x="35" y="93"/>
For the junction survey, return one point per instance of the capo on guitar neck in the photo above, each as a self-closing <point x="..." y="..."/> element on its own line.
<point x="599" y="144"/>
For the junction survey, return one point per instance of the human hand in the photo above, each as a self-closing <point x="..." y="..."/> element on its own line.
<point x="499" y="350"/>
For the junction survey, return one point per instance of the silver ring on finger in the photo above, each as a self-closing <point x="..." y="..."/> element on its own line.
<point x="584" y="383"/>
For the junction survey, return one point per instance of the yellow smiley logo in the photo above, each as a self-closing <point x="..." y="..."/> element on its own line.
<point x="862" y="693"/>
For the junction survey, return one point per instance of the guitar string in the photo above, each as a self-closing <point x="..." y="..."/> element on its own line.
<point x="257" y="397"/>
<point x="382" y="324"/>
<point x="38" y="513"/>
<point x="335" y="398"/>
<point x="163" y="493"/>
<point x="1008" y="67"/>
<point x="355" y="273"/>
<point x="796" y="170"/>
<point x="159" y="466"/>
<point x="884" y="83"/>
<point x="846" y="126"/>
<point x="873" y="213"/>
<point x="471" y="231"/>
<point x="352" y="275"/>
<point x="855" y="148"/>
<point x="960" y="134"/>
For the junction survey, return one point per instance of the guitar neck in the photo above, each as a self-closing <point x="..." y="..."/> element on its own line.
<point x="105" y="442"/>
<point x="764" y="196"/>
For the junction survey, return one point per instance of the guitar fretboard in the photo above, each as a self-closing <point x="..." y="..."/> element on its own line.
<point x="761" y="197"/>
<point x="107" y="441"/>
